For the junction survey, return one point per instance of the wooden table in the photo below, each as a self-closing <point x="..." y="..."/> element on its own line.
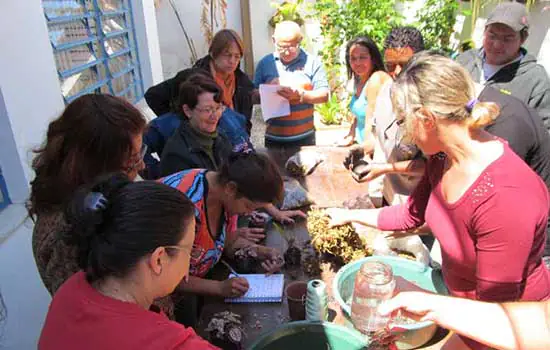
<point x="261" y="317"/>
<point x="330" y="184"/>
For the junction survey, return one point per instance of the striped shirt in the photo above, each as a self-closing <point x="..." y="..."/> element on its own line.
<point x="305" y="72"/>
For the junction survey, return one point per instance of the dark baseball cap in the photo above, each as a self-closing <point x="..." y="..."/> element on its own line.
<point x="512" y="14"/>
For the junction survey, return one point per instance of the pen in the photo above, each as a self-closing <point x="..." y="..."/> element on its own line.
<point x="230" y="268"/>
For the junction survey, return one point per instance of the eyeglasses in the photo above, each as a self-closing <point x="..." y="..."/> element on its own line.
<point x="210" y="110"/>
<point x="139" y="158"/>
<point x="288" y="48"/>
<point x="177" y="247"/>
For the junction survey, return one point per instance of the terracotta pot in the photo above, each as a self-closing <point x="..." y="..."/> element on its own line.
<point x="296" y="296"/>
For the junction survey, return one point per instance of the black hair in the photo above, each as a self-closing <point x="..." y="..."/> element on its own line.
<point x="375" y="55"/>
<point x="195" y="85"/>
<point x="256" y="176"/>
<point x="133" y="220"/>
<point x="401" y="37"/>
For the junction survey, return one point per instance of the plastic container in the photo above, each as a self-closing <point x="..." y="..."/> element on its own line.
<point x="412" y="335"/>
<point x="374" y="283"/>
<point x="311" y="335"/>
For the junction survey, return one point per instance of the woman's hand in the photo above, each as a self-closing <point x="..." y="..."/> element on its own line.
<point x="346" y="141"/>
<point x="287" y="216"/>
<point x="233" y="287"/>
<point x="338" y="216"/>
<point x="272" y="258"/>
<point x="251" y="234"/>
<point x="419" y="306"/>
<point x="369" y="172"/>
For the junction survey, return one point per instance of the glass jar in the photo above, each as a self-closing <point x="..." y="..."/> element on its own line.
<point x="374" y="283"/>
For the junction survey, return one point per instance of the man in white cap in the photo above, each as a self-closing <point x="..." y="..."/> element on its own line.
<point x="504" y="64"/>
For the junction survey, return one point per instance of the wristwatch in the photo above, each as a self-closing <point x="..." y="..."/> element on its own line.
<point x="302" y="93"/>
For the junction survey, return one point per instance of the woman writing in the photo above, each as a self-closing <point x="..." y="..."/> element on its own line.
<point x="367" y="74"/>
<point x="96" y="134"/>
<point x="469" y="192"/>
<point x="246" y="182"/>
<point x="134" y="241"/>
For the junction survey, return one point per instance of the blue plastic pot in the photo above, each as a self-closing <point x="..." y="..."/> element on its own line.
<point x="416" y="334"/>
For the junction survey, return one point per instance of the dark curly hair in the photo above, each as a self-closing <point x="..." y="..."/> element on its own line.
<point x="93" y="136"/>
<point x="400" y="37"/>
<point x="256" y="176"/>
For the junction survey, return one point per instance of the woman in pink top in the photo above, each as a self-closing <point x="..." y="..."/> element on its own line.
<point x="486" y="207"/>
<point x="134" y="242"/>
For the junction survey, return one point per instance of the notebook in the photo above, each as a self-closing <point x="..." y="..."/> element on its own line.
<point x="262" y="289"/>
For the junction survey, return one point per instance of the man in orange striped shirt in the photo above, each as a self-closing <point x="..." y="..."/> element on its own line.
<point x="303" y="83"/>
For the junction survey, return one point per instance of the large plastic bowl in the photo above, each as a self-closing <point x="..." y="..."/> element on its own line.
<point x="415" y="334"/>
<point x="311" y="335"/>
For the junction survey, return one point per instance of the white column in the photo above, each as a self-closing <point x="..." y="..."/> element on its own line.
<point x="30" y="90"/>
<point x="147" y="40"/>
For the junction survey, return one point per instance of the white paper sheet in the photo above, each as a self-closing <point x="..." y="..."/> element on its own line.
<point x="273" y="105"/>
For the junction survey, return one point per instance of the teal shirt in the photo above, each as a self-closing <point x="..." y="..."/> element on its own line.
<point x="358" y="107"/>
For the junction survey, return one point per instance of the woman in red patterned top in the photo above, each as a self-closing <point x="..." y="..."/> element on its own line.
<point x="244" y="183"/>
<point x="486" y="207"/>
<point x="134" y="241"/>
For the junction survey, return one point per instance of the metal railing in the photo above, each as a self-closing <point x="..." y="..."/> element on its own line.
<point x="94" y="45"/>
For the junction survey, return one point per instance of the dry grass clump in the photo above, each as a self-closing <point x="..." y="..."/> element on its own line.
<point x="341" y="242"/>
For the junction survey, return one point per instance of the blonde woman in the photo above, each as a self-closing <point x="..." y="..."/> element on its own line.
<point x="486" y="207"/>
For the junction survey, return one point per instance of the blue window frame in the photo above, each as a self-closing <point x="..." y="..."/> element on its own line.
<point x="4" y="199"/>
<point x="94" y="45"/>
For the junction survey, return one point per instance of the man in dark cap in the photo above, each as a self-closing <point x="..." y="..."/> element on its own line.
<point x="504" y="64"/>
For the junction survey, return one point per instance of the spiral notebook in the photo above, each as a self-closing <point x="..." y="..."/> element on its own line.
<point x="262" y="289"/>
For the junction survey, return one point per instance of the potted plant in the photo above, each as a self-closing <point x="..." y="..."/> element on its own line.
<point x="286" y="11"/>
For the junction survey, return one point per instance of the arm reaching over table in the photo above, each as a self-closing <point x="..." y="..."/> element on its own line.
<point x="519" y="325"/>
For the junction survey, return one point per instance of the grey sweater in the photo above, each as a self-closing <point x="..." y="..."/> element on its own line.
<point x="523" y="79"/>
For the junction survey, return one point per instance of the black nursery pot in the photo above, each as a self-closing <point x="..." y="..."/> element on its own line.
<point x="246" y="265"/>
<point x="225" y="344"/>
<point x="293" y="256"/>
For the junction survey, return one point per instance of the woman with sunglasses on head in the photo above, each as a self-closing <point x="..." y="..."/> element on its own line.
<point x="367" y="75"/>
<point x="244" y="183"/>
<point x="134" y="241"/>
<point x="486" y="207"/>
<point x="96" y="134"/>
<point x="222" y="64"/>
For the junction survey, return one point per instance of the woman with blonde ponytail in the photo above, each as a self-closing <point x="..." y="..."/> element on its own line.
<point x="486" y="207"/>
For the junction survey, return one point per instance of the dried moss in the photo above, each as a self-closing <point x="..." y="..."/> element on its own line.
<point x="341" y="242"/>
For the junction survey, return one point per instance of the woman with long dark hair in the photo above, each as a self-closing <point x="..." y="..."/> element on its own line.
<point x="96" y="134"/>
<point x="367" y="75"/>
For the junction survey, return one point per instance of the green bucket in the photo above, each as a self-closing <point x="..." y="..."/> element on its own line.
<point x="311" y="335"/>
<point x="414" y="334"/>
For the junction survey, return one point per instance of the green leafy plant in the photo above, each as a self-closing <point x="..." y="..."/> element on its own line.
<point x="330" y="111"/>
<point x="287" y="11"/>
<point x="343" y="20"/>
<point x="436" y="20"/>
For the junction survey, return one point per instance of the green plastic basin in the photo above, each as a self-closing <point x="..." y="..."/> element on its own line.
<point x="311" y="335"/>
<point x="423" y="276"/>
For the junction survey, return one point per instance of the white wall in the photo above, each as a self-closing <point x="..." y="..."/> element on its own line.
<point x="173" y="46"/>
<point x="30" y="97"/>
<point x="29" y="84"/>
